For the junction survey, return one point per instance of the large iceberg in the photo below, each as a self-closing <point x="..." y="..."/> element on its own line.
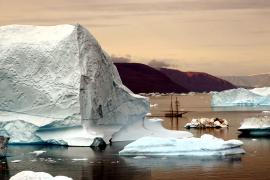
<point x="58" y="77"/>
<point x="242" y="97"/>
<point x="206" y="145"/>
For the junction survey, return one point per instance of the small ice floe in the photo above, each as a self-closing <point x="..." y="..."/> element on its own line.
<point x="149" y="114"/>
<point x="257" y="126"/>
<point x="266" y="112"/>
<point x="155" y="119"/>
<point x="153" y="105"/>
<point x="37" y="175"/>
<point x="115" y="162"/>
<point x="16" y="161"/>
<point x="79" y="159"/>
<point x="37" y="153"/>
<point x="207" y="123"/>
<point x="139" y="157"/>
<point x="206" y="145"/>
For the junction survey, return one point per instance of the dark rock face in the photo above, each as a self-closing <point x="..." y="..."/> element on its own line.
<point x="3" y="145"/>
<point x="98" y="144"/>
<point x="141" y="78"/>
<point x="197" y="81"/>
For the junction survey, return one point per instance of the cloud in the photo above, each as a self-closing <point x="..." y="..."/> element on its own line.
<point x="158" y="64"/>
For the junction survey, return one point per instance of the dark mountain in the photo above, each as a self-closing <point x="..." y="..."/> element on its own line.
<point x="141" y="78"/>
<point x="197" y="81"/>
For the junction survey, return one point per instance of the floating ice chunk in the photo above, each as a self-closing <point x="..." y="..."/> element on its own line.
<point x="207" y="123"/>
<point x="20" y="132"/>
<point x="139" y="157"/>
<point x="207" y="145"/>
<point x="37" y="153"/>
<point x="16" y="161"/>
<point x="148" y="127"/>
<point x="266" y="112"/>
<point x="240" y="97"/>
<point x="255" y="123"/>
<point x="256" y="126"/>
<point x="30" y="175"/>
<point x="80" y="159"/>
<point x="153" y="105"/>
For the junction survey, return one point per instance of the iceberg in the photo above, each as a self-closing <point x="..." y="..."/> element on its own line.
<point x="206" y="145"/>
<point x="57" y="85"/>
<point x="265" y="91"/>
<point x="257" y="126"/>
<point x="148" y="127"/>
<point x="25" y="175"/>
<point x="242" y="97"/>
<point x="207" y="123"/>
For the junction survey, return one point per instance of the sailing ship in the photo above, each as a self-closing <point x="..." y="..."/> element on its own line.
<point x="176" y="112"/>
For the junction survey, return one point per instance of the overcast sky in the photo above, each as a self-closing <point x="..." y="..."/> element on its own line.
<point x="221" y="37"/>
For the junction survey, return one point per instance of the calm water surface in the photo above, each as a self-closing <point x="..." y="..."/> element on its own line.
<point x="86" y="163"/>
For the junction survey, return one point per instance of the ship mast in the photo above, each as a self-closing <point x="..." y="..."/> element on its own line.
<point x="171" y="105"/>
<point x="177" y="105"/>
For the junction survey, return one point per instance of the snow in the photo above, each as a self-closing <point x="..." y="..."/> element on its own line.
<point x="242" y="97"/>
<point x="206" y="145"/>
<point x="256" y="123"/>
<point x="149" y="127"/>
<point x="207" y="123"/>
<point x="58" y="78"/>
<point x="30" y="175"/>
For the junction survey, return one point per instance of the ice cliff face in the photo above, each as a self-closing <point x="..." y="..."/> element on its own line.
<point x="62" y="74"/>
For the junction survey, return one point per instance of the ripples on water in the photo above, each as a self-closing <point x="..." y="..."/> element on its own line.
<point x="90" y="164"/>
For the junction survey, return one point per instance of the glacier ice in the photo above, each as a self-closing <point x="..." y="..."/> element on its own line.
<point x="58" y="78"/>
<point x="242" y="97"/>
<point x="206" y="145"/>
<point x="264" y="91"/>
<point x="27" y="175"/>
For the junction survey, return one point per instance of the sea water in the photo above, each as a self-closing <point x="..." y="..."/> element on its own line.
<point x="86" y="163"/>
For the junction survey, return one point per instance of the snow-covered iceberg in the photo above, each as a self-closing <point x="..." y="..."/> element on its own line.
<point x="242" y="97"/>
<point x="207" y="123"/>
<point x="206" y="145"/>
<point x="259" y="126"/>
<point x="27" y="175"/>
<point x="55" y="77"/>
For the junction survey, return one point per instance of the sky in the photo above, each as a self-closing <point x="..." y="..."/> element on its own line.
<point x="221" y="37"/>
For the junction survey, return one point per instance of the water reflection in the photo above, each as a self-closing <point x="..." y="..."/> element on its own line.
<point x="185" y="162"/>
<point x="4" y="171"/>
